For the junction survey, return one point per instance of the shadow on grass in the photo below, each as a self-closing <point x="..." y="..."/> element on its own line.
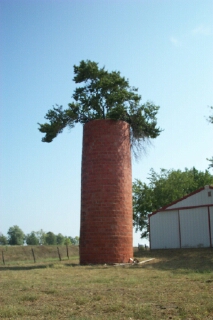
<point x="198" y="260"/>
<point x="55" y="265"/>
<point x="41" y="266"/>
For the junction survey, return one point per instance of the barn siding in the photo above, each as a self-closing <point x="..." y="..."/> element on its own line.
<point x="165" y="230"/>
<point x="187" y="222"/>
<point x="198" y="199"/>
<point x="194" y="227"/>
<point x="211" y="224"/>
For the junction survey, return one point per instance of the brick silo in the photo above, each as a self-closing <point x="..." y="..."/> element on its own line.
<point x="106" y="193"/>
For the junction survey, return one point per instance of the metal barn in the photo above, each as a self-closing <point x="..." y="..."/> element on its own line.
<point x="186" y="223"/>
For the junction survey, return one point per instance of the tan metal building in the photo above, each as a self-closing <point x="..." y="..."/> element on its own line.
<point x="186" y="223"/>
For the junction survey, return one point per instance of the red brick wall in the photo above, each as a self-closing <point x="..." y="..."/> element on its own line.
<point x="106" y="193"/>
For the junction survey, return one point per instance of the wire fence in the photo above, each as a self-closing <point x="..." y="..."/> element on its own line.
<point x="34" y="254"/>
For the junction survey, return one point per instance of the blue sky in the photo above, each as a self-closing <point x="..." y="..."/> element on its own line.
<point x="163" y="47"/>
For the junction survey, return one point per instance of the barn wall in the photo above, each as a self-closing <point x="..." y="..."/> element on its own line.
<point x="164" y="227"/>
<point x="211" y="224"/>
<point x="198" y="199"/>
<point x="194" y="228"/>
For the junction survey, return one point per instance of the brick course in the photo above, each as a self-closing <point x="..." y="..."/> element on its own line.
<point x="106" y="193"/>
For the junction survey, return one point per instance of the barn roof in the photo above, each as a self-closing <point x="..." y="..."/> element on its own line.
<point x="168" y="207"/>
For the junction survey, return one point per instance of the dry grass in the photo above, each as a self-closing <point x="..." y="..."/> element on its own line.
<point x="175" y="285"/>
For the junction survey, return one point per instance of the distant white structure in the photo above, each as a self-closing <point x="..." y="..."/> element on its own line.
<point x="186" y="223"/>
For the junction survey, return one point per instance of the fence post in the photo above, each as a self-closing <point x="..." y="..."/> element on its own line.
<point x="3" y="257"/>
<point x="33" y="255"/>
<point x="59" y="254"/>
<point x="67" y="252"/>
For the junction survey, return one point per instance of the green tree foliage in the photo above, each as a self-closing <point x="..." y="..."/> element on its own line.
<point x="211" y="163"/>
<point x="103" y="95"/>
<point x="51" y="238"/>
<point x="41" y="236"/>
<point x="77" y="240"/>
<point x="162" y="189"/>
<point x="15" y="236"/>
<point x="32" y="239"/>
<point x="3" y="240"/>
<point x="60" y="239"/>
<point x="210" y="119"/>
<point x="67" y="241"/>
<point x="74" y="240"/>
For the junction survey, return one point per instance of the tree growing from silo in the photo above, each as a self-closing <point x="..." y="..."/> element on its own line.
<point x="104" y="95"/>
<point x="125" y="121"/>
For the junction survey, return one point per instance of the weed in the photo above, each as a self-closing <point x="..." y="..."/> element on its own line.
<point x="11" y="312"/>
<point x="50" y="291"/>
<point x="30" y="298"/>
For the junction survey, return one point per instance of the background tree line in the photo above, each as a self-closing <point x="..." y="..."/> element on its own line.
<point x="162" y="189"/>
<point x="17" y="237"/>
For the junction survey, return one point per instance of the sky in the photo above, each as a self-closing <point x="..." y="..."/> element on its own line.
<point x="164" y="48"/>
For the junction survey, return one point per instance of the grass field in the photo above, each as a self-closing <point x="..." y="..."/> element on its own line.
<point x="176" y="284"/>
